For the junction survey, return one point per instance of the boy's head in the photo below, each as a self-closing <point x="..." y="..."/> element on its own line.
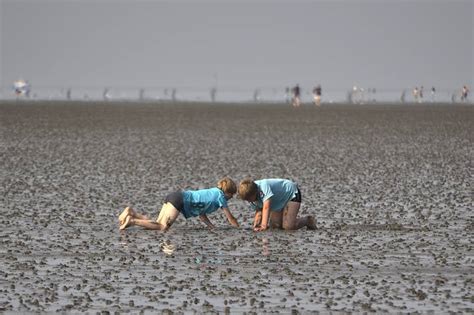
<point x="227" y="186"/>
<point x="248" y="190"/>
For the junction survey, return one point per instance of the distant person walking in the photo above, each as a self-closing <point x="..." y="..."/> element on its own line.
<point x="403" y="96"/>
<point x="213" y="93"/>
<point x="317" y="95"/>
<point x="464" y="93"/>
<point x="173" y="95"/>
<point x="287" y="95"/>
<point x="296" y="101"/>
<point x="433" y="94"/>
<point x="415" y="94"/>
<point x="256" y="95"/>
<point x="421" y="95"/>
<point x="105" y="94"/>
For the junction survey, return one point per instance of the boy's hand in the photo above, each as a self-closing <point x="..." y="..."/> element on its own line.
<point x="258" y="219"/>
<point x="260" y="228"/>
<point x="234" y="222"/>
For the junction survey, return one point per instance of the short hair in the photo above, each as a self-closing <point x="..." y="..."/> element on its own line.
<point x="227" y="185"/>
<point x="247" y="189"/>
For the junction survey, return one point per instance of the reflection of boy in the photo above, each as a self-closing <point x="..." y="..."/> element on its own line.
<point x="275" y="200"/>
<point x="190" y="203"/>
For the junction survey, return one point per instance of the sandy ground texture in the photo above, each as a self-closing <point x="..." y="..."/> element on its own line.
<point x="391" y="187"/>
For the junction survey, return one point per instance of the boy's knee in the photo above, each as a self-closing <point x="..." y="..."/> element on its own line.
<point x="289" y="226"/>
<point x="276" y="225"/>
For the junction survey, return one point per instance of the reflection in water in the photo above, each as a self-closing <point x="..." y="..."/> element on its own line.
<point x="124" y="239"/>
<point x="210" y="259"/>
<point x="167" y="248"/>
<point x="266" y="247"/>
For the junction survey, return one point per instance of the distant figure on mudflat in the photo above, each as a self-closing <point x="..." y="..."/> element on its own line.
<point x="415" y="94"/>
<point x="433" y="94"/>
<point x="173" y="95"/>
<point x="403" y="96"/>
<point x="464" y="93"/>
<point x="357" y="95"/>
<point x="349" y="97"/>
<point x="256" y="95"/>
<point x="287" y="95"/>
<point x="213" y="93"/>
<point x="372" y="97"/>
<point x="190" y="203"/>
<point x="421" y="94"/>
<point x="105" y="94"/>
<point x="296" y="101"/>
<point x="317" y="95"/>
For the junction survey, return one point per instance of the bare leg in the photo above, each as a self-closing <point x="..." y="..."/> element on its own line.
<point x="147" y="224"/>
<point x="291" y="220"/>
<point x="167" y="216"/>
<point x="311" y="223"/>
<point x="276" y="219"/>
<point x="128" y="211"/>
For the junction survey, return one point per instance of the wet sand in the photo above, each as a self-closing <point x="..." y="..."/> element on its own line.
<point x="390" y="185"/>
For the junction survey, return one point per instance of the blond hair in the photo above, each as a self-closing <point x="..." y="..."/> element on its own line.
<point x="247" y="189"/>
<point x="227" y="185"/>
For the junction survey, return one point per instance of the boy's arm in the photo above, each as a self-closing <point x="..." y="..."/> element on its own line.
<point x="258" y="218"/>
<point x="265" y="217"/>
<point x="205" y="219"/>
<point x="232" y="220"/>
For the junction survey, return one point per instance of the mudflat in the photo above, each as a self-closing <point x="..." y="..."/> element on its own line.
<point x="390" y="186"/>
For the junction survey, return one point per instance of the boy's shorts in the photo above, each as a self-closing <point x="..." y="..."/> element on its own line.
<point x="176" y="199"/>
<point x="297" y="197"/>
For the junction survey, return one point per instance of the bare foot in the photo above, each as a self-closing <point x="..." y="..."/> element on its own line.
<point x="126" y="223"/>
<point x="125" y="213"/>
<point x="311" y="223"/>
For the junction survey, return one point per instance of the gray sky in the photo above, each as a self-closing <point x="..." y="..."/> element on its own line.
<point x="242" y="43"/>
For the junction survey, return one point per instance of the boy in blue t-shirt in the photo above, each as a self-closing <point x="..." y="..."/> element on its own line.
<point x="190" y="203"/>
<point x="276" y="200"/>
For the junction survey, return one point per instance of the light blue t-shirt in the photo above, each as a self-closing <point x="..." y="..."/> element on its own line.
<point x="203" y="201"/>
<point x="279" y="190"/>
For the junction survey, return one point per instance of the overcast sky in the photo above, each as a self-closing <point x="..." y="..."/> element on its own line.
<point x="237" y="43"/>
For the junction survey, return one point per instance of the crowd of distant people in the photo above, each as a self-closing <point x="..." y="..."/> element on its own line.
<point x="418" y="94"/>
<point x="356" y="95"/>
<point x="295" y="98"/>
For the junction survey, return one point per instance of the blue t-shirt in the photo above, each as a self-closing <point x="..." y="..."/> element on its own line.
<point x="279" y="190"/>
<point x="203" y="201"/>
